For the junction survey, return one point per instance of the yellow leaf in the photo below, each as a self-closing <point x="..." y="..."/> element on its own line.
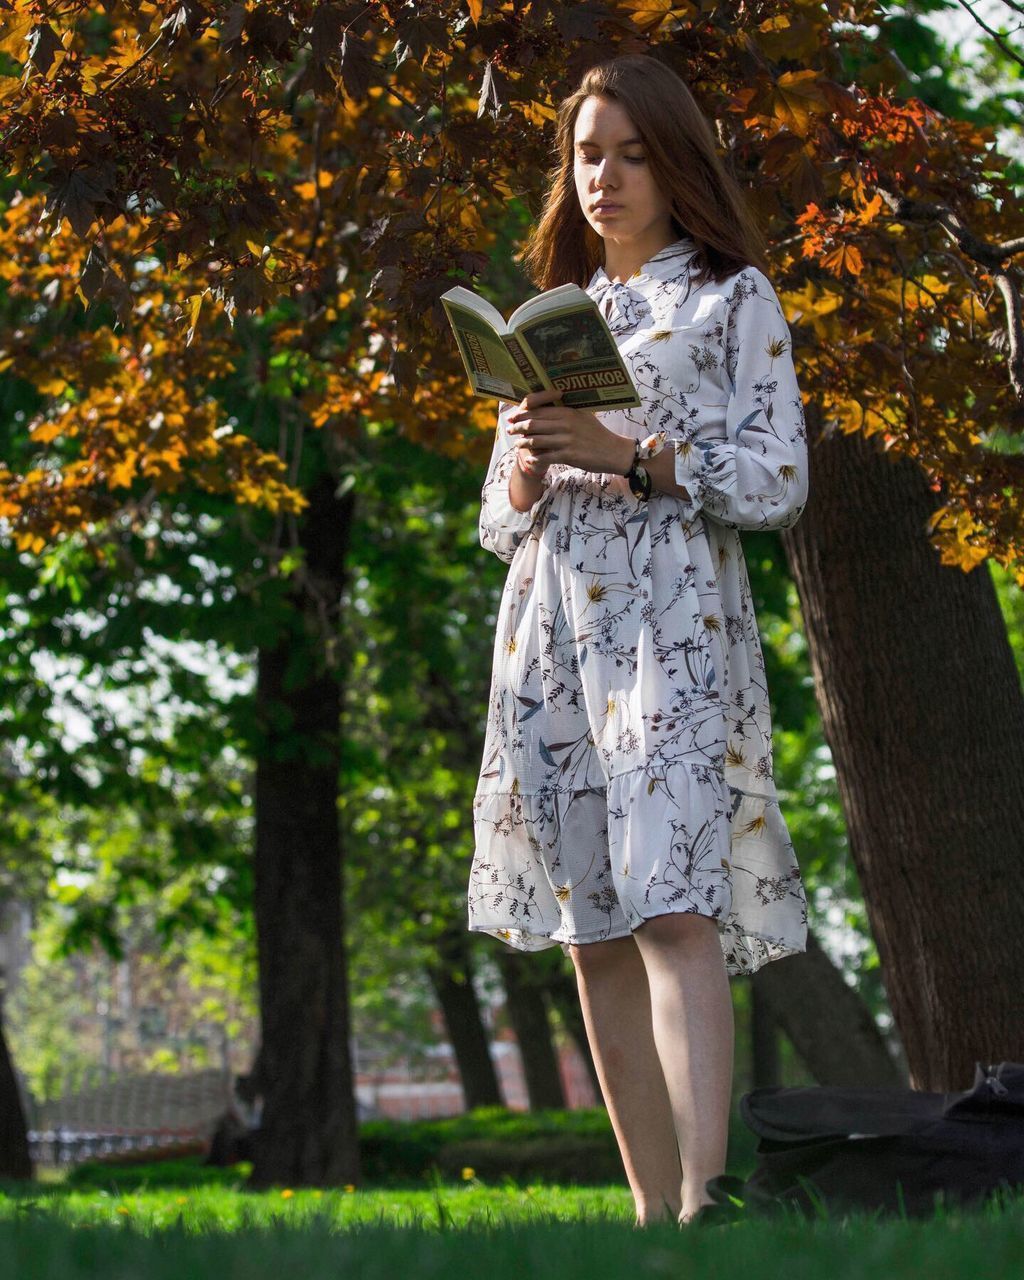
<point x="15" y="32"/>
<point x="648" y="15"/>
<point x="934" y="285"/>
<point x="538" y="112"/>
<point x="793" y="97"/>
<point x="124" y="472"/>
<point x="972" y="555"/>
<point x="46" y="431"/>
<point x="848" y="414"/>
<point x="195" y="302"/>
<point x="936" y="518"/>
<point x="171" y="458"/>
<point x="871" y="208"/>
<point x="469" y="217"/>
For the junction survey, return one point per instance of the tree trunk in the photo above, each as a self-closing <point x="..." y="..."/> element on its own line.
<point x="565" y="997"/>
<point x="452" y="979"/>
<point x="528" y="1014"/>
<point x="829" y="1025"/>
<point x="308" y="1133"/>
<point x="15" y="1158"/>
<point x="922" y="709"/>
<point x="765" y="1059"/>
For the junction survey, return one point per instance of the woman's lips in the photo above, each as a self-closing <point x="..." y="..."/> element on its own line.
<point x="602" y="210"/>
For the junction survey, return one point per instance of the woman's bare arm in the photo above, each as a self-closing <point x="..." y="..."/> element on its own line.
<point x="662" y="468"/>
<point x="523" y="489"/>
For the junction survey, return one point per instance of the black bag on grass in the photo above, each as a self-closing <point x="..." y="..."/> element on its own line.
<point x="900" y="1151"/>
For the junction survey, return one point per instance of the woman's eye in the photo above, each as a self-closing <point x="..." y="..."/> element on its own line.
<point x="631" y="159"/>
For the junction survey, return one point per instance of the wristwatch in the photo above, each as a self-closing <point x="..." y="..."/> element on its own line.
<point x="639" y="477"/>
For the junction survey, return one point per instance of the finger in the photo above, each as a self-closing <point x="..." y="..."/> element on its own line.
<point x="529" y="462"/>
<point x="547" y="396"/>
<point x="541" y="413"/>
<point x="533" y="426"/>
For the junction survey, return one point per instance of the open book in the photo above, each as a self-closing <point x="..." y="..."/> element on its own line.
<point x="559" y="339"/>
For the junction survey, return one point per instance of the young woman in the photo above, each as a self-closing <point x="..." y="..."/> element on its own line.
<point x="626" y="807"/>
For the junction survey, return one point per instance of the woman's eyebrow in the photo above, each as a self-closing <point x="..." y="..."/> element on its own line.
<point x="589" y="142"/>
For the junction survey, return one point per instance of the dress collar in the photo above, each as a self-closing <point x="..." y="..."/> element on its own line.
<point x="665" y="264"/>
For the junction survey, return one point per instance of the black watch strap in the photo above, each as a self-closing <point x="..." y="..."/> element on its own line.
<point x="640" y="482"/>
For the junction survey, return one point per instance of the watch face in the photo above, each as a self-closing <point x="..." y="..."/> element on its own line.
<point x="640" y="481"/>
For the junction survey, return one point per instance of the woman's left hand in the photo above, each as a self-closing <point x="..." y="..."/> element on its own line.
<point x="572" y="436"/>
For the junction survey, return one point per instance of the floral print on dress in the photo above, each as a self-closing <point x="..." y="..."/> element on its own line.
<point x="627" y="762"/>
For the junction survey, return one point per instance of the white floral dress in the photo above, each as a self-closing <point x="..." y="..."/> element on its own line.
<point x="627" y="763"/>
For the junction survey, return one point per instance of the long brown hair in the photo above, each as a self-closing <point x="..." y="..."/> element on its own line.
<point x="707" y="202"/>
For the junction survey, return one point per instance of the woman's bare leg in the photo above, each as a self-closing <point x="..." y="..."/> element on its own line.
<point x="693" y="1029"/>
<point x="616" y="1003"/>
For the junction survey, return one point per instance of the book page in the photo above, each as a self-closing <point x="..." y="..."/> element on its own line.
<point x="491" y="369"/>
<point x="552" y="300"/>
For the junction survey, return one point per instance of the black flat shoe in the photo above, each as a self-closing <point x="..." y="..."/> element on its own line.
<point x="714" y="1215"/>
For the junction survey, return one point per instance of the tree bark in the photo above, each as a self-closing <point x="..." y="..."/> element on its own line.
<point x="922" y="709"/>
<point x="528" y="1014"/>
<point x="308" y="1133"/>
<point x="765" y="1059"/>
<point x="827" y="1022"/>
<point x="15" y="1157"/>
<point x="452" y="979"/>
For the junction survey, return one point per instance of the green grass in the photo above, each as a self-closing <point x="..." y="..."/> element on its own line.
<point x="219" y="1231"/>
<point x="560" y="1147"/>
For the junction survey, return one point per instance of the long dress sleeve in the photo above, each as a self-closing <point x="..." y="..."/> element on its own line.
<point x="502" y="527"/>
<point x="756" y="477"/>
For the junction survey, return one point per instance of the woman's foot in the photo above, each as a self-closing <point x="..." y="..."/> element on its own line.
<point x="645" y="1218"/>
<point x="688" y="1214"/>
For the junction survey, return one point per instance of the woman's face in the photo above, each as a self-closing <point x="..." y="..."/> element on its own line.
<point x="610" y="166"/>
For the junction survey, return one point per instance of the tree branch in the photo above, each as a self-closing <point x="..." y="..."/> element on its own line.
<point x="1012" y="54"/>
<point x="989" y="255"/>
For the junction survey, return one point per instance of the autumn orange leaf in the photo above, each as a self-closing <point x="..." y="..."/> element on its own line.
<point x="845" y="258"/>
<point x="327" y="163"/>
<point x="794" y="98"/>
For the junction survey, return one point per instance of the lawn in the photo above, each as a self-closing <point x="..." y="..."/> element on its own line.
<point x="216" y="1230"/>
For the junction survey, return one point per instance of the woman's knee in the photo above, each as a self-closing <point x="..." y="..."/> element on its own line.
<point x="597" y="957"/>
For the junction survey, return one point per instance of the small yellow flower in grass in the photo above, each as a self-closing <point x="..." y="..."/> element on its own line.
<point x="318" y="1194"/>
<point x="287" y="1193"/>
<point x="182" y="1200"/>
<point x="122" y="1209"/>
<point x="468" y="1173"/>
<point x="349" y="1187"/>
